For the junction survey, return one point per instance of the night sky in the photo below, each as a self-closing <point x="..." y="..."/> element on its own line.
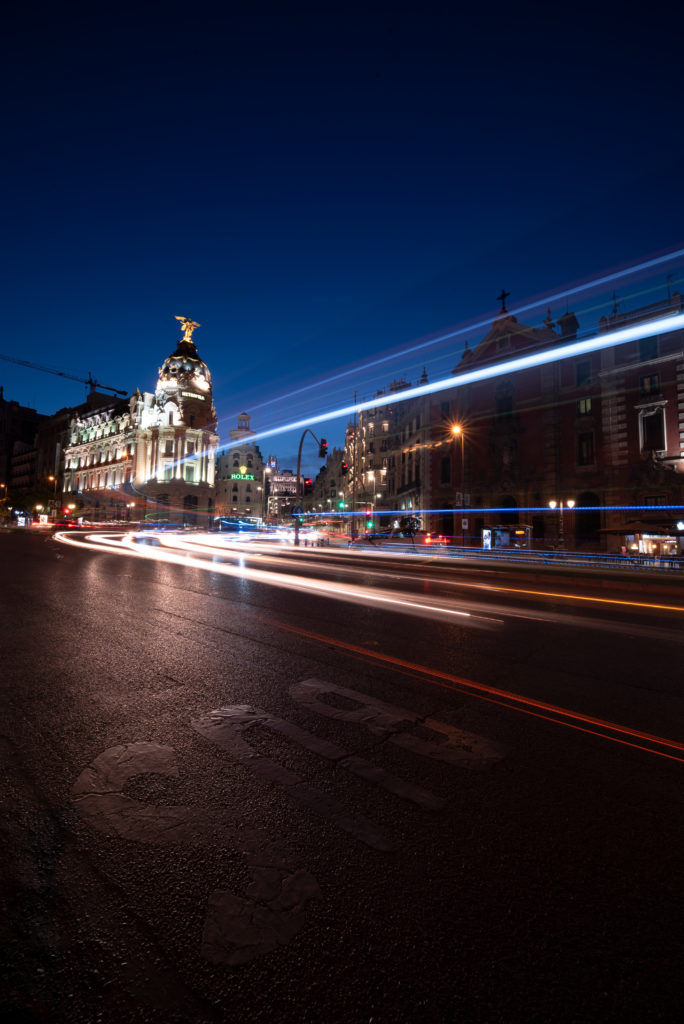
<point x="317" y="184"/>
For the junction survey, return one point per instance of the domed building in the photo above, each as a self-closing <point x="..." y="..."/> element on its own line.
<point x="151" y="456"/>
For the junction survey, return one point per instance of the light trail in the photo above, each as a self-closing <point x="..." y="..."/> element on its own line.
<point x="212" y="545"/>
<point x="610" y="339"/>
<point x="506" y="698"/>
<point x="624" y="735"/>
<point x="482" y="324"/>
<point x="354" y="594"/>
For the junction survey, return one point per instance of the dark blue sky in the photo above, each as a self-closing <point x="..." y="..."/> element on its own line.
<point x="316" y="183"/>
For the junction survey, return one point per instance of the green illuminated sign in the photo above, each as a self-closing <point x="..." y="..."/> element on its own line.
<point x="242" y="476"/>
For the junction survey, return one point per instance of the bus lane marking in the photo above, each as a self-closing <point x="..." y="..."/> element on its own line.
<point x="449" y="744"/>
<point x="226" y="726"/>
<point x="235" y="929"/>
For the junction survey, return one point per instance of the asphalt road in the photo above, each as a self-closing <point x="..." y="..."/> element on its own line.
<point x="323" y="786"/>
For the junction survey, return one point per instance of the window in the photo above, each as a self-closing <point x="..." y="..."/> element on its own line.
<point x="584" y="406"/>
<point x="504" y="401"/>
<point x="191" y="447"/>
<point x="585" y="448"/>
<point x="168" y="448"/>
<point x="190" y="474"/>
<point x="445" y="471"/>
<point x="650" y="384"/>
<point x="648" y="349"/>
<point x="168" y="473"/>
<point x="583" y="372"/>
<point x="652" y="429"/>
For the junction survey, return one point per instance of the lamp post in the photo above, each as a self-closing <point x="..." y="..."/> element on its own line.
<point x="264" y="496"/>
<point x="458" y="432"/>
<point x="570" y="504"/>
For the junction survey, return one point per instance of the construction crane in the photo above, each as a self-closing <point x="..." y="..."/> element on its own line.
<point x="89" y="380"/>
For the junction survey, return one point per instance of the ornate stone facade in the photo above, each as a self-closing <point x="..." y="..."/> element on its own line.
<point x="151" y="456"/>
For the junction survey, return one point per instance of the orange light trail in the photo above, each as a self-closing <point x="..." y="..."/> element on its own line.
<point x="571" y="597"/>
<point x="507" y="699"/>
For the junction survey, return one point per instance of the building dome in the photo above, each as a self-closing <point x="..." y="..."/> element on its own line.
<point x="185" y="364"/>
<point x="185" y="380"/>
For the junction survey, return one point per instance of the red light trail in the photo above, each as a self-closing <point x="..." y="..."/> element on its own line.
<point x="505" y="698"/>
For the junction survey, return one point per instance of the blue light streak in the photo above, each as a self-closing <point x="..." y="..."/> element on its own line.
<point x="479" y="325"/>
<point x="507" y="510"/>
<point x="596" y="343"/>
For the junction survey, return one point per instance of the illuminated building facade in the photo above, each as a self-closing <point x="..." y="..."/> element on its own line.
<point x="602" y="430"/>
<point x="389" y="466"/>
<point x="241" y="475"/>
<point x="149" y="456"/>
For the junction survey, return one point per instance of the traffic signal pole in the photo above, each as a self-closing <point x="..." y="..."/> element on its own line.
<point x="322" y="451"/>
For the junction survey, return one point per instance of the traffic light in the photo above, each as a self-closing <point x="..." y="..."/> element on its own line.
<point x="322" y="448"/>
<point x="344" y="468"/>
<point x="369" y="521"/>
<point x="308" y="485"/>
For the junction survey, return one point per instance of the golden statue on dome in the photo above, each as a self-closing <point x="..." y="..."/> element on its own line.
<point x="188" y="326"/>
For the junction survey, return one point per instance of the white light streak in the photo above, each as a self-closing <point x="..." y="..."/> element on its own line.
<point x="479" y="325"/>
<point x="662" y="325"/>
<point x="351" y="593"/>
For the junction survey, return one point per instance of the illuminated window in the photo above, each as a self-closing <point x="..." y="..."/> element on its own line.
<point x="650" y="384"/>
<point x="584" y="406"/>
<point x="190" y="474"/>
<point x="168" y="473"/>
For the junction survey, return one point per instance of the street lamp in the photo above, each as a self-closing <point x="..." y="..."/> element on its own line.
<point x="264" y="496"/>
<point x="458" y="432"/>
<point x="570" y="504"/>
